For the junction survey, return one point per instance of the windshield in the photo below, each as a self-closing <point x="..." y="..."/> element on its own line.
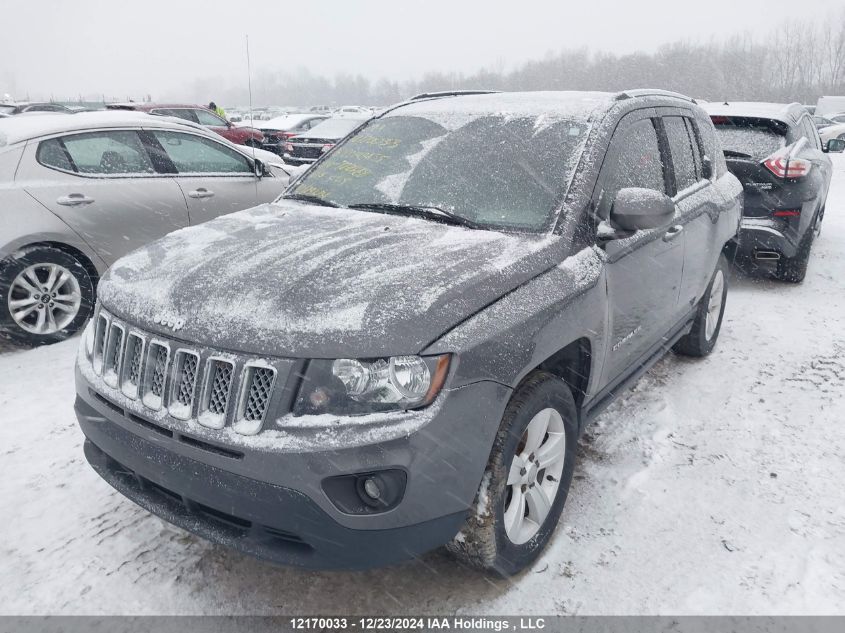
<point x="6" y="109"/>
<point x="756" y="138"/>
<point x="494" y="170"/>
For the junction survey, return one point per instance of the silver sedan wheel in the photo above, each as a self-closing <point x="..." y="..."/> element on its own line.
<point x="714" y="304"/>
<point x="44" y="298"/>
<point x="534" y="476"/>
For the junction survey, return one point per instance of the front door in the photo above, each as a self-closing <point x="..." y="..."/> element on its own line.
<point x="215" y="179"/>
<point x="644" y="269"/>
<point x="105" y="187"/>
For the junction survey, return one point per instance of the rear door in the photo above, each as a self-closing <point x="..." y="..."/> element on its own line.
<point x="643" y="270"/>
<point x="697" y="211"/>
<point x="214" y="178"/>
<point x="106" y="187"/>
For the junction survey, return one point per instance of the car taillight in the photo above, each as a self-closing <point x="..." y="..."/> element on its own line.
<point x="786" y="213"/>
<point x="326" y="147"/>
<point x="782" y="166"/>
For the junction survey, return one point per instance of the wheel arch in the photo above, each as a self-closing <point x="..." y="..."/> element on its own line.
<point x="73" y="251"/>
<point x="573" y="364"/>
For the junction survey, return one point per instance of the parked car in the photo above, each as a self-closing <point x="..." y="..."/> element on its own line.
<point x="835" y="130"/>
<point x="306" y="148"/>
<point x="829" y="104"/>
<point x="822" y="122"/>
<point x="776" y="152"/>
<point x="80" y="191"/>
<point x="240" y="135"/>
<point x="355" y="112"/>
<point x="277" y="131"/>
<point x="401" y="351"/>
<point x="19" y="108"/>
<point x="839" y="117"/>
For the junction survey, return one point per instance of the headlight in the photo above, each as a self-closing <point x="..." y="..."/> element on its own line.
<point x="349" y="386"/>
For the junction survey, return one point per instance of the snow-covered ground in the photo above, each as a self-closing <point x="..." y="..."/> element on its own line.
<point x="714" y="486"/>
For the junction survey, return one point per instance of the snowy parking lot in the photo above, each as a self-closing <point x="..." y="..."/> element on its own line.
<point x="714" y="486"/>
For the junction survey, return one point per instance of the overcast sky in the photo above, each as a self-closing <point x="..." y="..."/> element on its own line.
<point x="69" y="47"/>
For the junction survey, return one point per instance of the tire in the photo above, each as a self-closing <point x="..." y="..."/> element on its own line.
<point x="72" y="283"/>
<point x="794" y="269"/>
<point x="701" y="339"/>
<point x="817" y="225"/>
<point x="484" y="541"/>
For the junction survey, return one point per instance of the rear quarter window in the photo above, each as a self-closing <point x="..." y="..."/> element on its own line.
<point x="52" y="154"/>
<point x="710" y="144"/>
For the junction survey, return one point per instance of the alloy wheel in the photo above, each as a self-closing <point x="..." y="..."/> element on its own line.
<point x="534" y="476"/>
<point x="44" y="298"/>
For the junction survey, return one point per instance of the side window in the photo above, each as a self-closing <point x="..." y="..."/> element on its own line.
<point x="111" y="153"/>
<point x="810" y="132"/>
<point x="638" y="163"/>
<point x="51" y="153"/>
<point x="205" y="117"/>
<point x="681" y="150"/>
<point x="711" y="147"/>
<point x="692" y="132"/>
<point x="197" y="155"/>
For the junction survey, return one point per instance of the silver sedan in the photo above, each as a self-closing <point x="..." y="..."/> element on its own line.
<point x="78" y="191"/>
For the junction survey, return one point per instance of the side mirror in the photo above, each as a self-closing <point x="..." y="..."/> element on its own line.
<point x="835" y="145"/>
<point x="260" y="169"/>
<point x="707" y="167"/>
<point x="635" y="209"/>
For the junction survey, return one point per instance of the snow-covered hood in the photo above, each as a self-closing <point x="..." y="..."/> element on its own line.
<point x="295" y="280"/>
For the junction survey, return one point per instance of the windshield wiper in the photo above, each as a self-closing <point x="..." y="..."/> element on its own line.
<point x="418" y="209"/>
<point x="304" y="197"/>
<point x="735" y="154"/>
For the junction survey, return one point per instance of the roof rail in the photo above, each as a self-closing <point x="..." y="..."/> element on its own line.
<point x="651" y="92"/>
<point x="451" y="93"/>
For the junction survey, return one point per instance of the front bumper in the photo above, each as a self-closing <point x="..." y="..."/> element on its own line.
<point x="271" y="503"/>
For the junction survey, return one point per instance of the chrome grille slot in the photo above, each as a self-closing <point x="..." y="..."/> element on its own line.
<point x="256" y="389"/>
<point x="132" y="362"/>
<point x="155" y="373"/>
<point x="218" y="387"/>
<point x="100" y="342"/>
<point x="186" y="366"/>
<point x="113" y="354"/>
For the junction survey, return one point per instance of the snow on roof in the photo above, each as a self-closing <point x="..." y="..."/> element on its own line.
<point x="20" y="128"/>
<point x="564" y="103"/>
<point x="757" y="109"/>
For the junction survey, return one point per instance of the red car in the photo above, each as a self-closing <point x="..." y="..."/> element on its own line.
<point x="201" y="115"/>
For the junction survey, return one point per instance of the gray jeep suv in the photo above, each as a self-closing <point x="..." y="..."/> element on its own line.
<point x="400" y="352"/>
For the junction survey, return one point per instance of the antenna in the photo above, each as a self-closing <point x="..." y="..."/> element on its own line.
<point x="249" y="88"/>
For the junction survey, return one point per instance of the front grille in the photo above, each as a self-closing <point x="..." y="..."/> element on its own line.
<point x="100" y="342"/>
<point x="113" y="355"/>
<point x="132" y="365"/>
<point x="255" y="398"/>
<point x="258" y="396"/>
<point x="215" y="389"/>
<point x="307" y="151"/>
<point x="184" y="384"/>
<point x="156" y="374"/>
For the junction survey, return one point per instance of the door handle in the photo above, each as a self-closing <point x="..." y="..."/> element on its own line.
<point x="672" y="233"/>
<point x="202" y="192"/>
<point x="74" y="200"/>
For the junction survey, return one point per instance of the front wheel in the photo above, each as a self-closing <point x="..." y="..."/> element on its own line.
<point x="45" y="296"/>
<point x="526" y="481"/>
<point x="701" y="339"/>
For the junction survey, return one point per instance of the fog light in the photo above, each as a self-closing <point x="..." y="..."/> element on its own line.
<point x="371" y="488"/>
